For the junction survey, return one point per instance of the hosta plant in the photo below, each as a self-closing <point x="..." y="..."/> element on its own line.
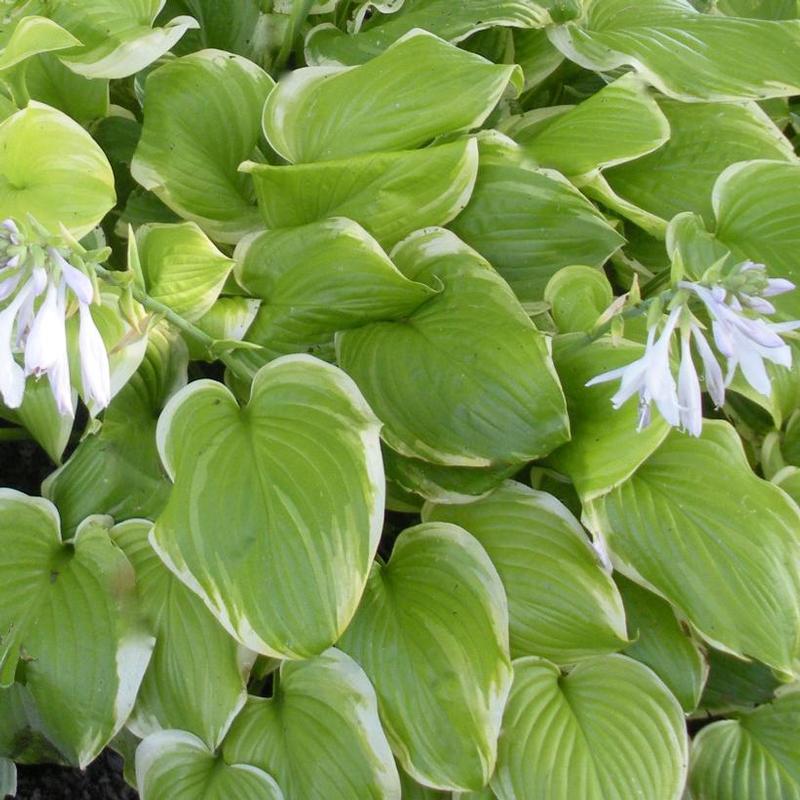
<point x="414" y="393"/>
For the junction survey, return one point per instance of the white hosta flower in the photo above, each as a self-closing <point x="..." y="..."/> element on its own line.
<point x="746" y="342"/>
<point x="95" y="370"/>
<point x="35" y="326"/>
<point x="690" y="396"/>
<point x="650" y="376"/>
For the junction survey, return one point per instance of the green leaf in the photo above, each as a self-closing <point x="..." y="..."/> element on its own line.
<point x="577" y="297"/>
<point x="318" y="279"/>
<point x="319" y="734"/>
<point x="295" y="480"/>
<point x="680" y="176"/>
<point x="760" y="9"/>
<point x="326" y="44"/>
<point x="50" y="82"/>
<point x="608" y="730"/>
<point x="197" y="675"/>
<point x="8" y="778"/>
<point x="235" y="26"/>
<point x="175" y="765"/>
<point x="490" y="393"/>
<point x="34" y="35"/>
<point x="384" y="104"/>
<point x="67" y="616"/>
<point x="756" y="756"/>
<point x="441" y="484"/>
<point x="683" y="53"/>
<point x="562" y="603"/>
<point x="757" y="205"/>
<point x="389" y="194"/>
<point x="432" y="634"/>
<point x="536" y="55"/>
<point x="117" y="35"/>
<point x="39" y="415"/>
<point x="606" y="448"/>
<point x="530" y="222"/>
<point x="52" y="169"/>
<point x="202" y="118"/>
<point x="662" y="643"/>
<point x="228" y="319"/>
<point x="181" y="267"/>
<point x="697" y="526"/>
<point x="624" y="119"/>
<point x="117" y="471"/>
<point x="735" y="684"/>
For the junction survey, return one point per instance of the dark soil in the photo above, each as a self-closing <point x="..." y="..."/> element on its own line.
<point x="101" y="781"/>
<point x="23" y="466"/>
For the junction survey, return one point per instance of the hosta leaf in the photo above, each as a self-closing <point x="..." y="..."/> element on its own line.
<point x="683" y="53"/>
<point x="50" y="82"/>
<point x="760" y="9"/>
<point x="52" y="169"/>
<point x="228" y="319"/>
<point x="608" y="730"/>
<point x="662" y="644"/>
<point x="202" y="118"/>
<point x="39" y="415"/>
<point x="68" y="625"/>
<point x="116" y="471"/>
<point x="757" y="205"/>
<point x="756" y="755"/>
<point x="235" y="26"/>
<point x="680" y="176"/>
<point x="530" y="222"/>
<point x="624" y="119"/>
<point x="319" y="735"/>
<point x="384" y="104"/>
<point x="295" y="481"/>
<point x="697" y="526"/>
<point x="577" y="296"/>
<point x="490" y="394"/>
<point x="197" y="675"/>
<point x="117" y="35"/>
<point x="389" y="194"/>
<point x="326" y="44"/>
<point x="317" y="279"/>
<point x="175" y="765"/>
<point x="534" y="52"/>
<point x="8" y="778"/>
<point x="735" y="684"/>
<point x="606" y="447"/>
<point x="181" y="267"/>
<point x="31" y="36"/>
<point x="562" y="604"/>
<point x="441" y="484"/>
<point x="432" y="635"/>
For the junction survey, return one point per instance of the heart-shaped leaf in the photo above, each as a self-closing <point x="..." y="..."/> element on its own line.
<point x="755" y="756"/>
<point x="384" y="104"/>
<point x="277" y="506"/>
<point x="70" y="634"/>
<point x="388" y="194"/>
<point x="53" y="170"/>
<point x="562" y="603"/>
<point x="530" y="222"/>
<point x="490" y="394"/>
<point x="319" y="734"/>
<point x="697" y="526"/>
<point x="176" y="765"/>
<point x="608" y="730"/>
<point x="432" y="634"/>
<point x="202" y="117"/>
<point x="318" y="279"/>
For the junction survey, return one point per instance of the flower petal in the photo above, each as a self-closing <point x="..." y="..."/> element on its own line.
<point x="95" y="371"/>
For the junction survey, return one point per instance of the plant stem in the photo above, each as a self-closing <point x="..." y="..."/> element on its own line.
<point x="230" y="360"/>
<point x="300" y="10"/>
